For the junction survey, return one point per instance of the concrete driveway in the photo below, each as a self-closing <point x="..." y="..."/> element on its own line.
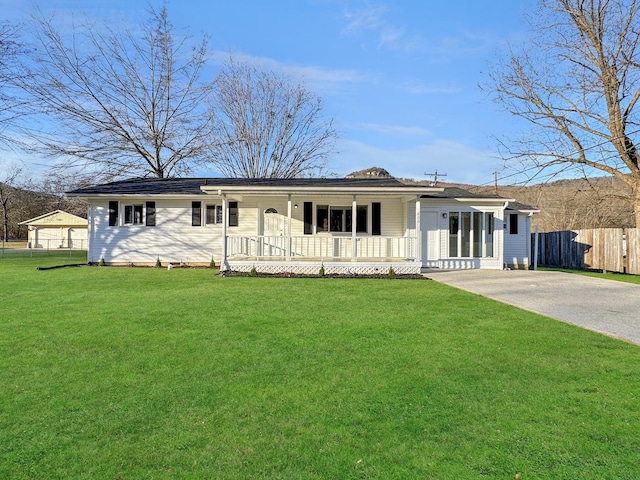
<point x="605" y="306"/>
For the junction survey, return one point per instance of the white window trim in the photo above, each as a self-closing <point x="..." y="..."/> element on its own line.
<point x="344" y="208"/>
<point x="123" y="208"/>
<point x="472" y="233"/>
<point x="217" y="208"/>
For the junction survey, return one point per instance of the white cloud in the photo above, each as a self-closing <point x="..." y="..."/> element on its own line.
<point x="390" y="36"/>
<point x="396" y="130"/>
<point x="419" y="88"/>
<point x="323" y="81"/>
<point x="369" y="18"/>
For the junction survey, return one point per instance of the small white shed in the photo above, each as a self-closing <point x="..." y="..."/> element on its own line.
<point x="57" y="229"/>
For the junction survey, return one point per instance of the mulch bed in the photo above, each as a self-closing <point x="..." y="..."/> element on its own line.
<point x="233" y="273"/>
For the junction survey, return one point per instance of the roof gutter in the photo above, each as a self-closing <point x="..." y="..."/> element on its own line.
<point x="318" y="190"/>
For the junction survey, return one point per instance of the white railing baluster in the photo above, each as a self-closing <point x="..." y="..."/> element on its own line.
<point x="276" y="247"/>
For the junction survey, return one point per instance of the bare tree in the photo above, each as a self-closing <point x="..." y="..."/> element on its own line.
<point x="11" y="106"/>
<point x="7" y="194"/>
<point x="120" y="103"/>
<point x="268" y="125"/>
<point x="577" y="83"/>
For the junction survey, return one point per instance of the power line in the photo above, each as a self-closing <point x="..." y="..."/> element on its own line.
<point x="553" y="174"/>
<point x="435" y="176"/>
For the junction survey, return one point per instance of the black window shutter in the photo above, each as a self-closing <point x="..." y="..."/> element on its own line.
<point x="376" y="219"/>
<point x="513" y="224"/>
<point x="151" y="214"/>
<point x="113" y="214"/>
<point x="308" y="218"/>
<point x="196" y="214"/>
<point x="361" y="221"/>
<point x="233" y="214"/>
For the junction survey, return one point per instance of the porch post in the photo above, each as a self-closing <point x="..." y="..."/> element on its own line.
<point x="354" y="222"/>
<point x="288" y="238"/>
<point x="224" y="264"/>
<point x="418" y="232"/>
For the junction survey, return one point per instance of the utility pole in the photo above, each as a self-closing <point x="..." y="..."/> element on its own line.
<point x="495" y="181"/>
<point x="435" y="177"/>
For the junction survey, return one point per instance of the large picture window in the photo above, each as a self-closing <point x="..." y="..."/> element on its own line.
<point x="340" y="219"/>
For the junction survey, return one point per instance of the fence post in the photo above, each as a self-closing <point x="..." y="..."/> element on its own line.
<point x="535" y="249"/>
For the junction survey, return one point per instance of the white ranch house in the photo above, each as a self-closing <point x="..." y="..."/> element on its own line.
<point x="357" y="225"/>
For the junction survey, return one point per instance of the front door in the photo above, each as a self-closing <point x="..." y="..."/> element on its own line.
<point x="430" y="238"/>
<point x="273" y="230"/>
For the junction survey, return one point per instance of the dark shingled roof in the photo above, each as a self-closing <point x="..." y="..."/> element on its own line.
<point x="457" y="192"/>
<point x="191" y="186"/>
<point x="523" y="207"/>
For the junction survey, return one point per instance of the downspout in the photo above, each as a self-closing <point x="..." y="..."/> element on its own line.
<point x="354" y="223"/>
<point x="501" y="256"/>
<point x="288" y="238"/>
<point x="224" y="263"/>
<point x="418" y="232"/>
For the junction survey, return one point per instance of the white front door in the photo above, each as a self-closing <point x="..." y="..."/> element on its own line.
<point x="273" y="231"/>
<point x="430" y="239"/>
<point x="273" y="223"/>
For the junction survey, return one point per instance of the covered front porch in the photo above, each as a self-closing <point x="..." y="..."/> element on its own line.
<point x="367" y="227"/>
<point x="337" y="255"/>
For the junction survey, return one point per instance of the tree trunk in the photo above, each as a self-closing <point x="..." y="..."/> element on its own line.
<point x="636" y="207"/>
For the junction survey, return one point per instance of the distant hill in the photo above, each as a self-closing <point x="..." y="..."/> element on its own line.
<point x="568" y="204"/>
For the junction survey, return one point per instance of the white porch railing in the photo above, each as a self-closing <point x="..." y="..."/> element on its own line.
<point x="321" y="247"/>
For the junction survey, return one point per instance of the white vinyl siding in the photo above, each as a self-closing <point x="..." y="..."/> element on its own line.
<point x="173" y="239"/>
<point x="516" y="246"/>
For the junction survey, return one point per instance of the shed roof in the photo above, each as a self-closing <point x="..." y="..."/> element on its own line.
<point x="58" y="218"/>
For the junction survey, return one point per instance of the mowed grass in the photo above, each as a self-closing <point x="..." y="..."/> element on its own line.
<point x="619" y="277"/>
<point x="143" y="373"/>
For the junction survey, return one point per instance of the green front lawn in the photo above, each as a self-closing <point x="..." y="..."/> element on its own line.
<point x="619" y="277"/>
<point x="145" y="373"/>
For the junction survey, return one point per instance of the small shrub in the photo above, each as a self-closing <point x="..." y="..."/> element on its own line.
<point x="212" y="264"/>
<point x="158" y="263"/>
<point x="321" y="271"/>
<point x="391" y="272"/>
<point x="101" y="263"/>
<point x="253" y="272"/>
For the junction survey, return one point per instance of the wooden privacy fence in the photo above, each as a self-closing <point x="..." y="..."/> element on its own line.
<point x="606" y="249"/>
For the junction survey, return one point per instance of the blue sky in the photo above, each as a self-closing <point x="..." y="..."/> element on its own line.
<point x="400" y="78"/>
